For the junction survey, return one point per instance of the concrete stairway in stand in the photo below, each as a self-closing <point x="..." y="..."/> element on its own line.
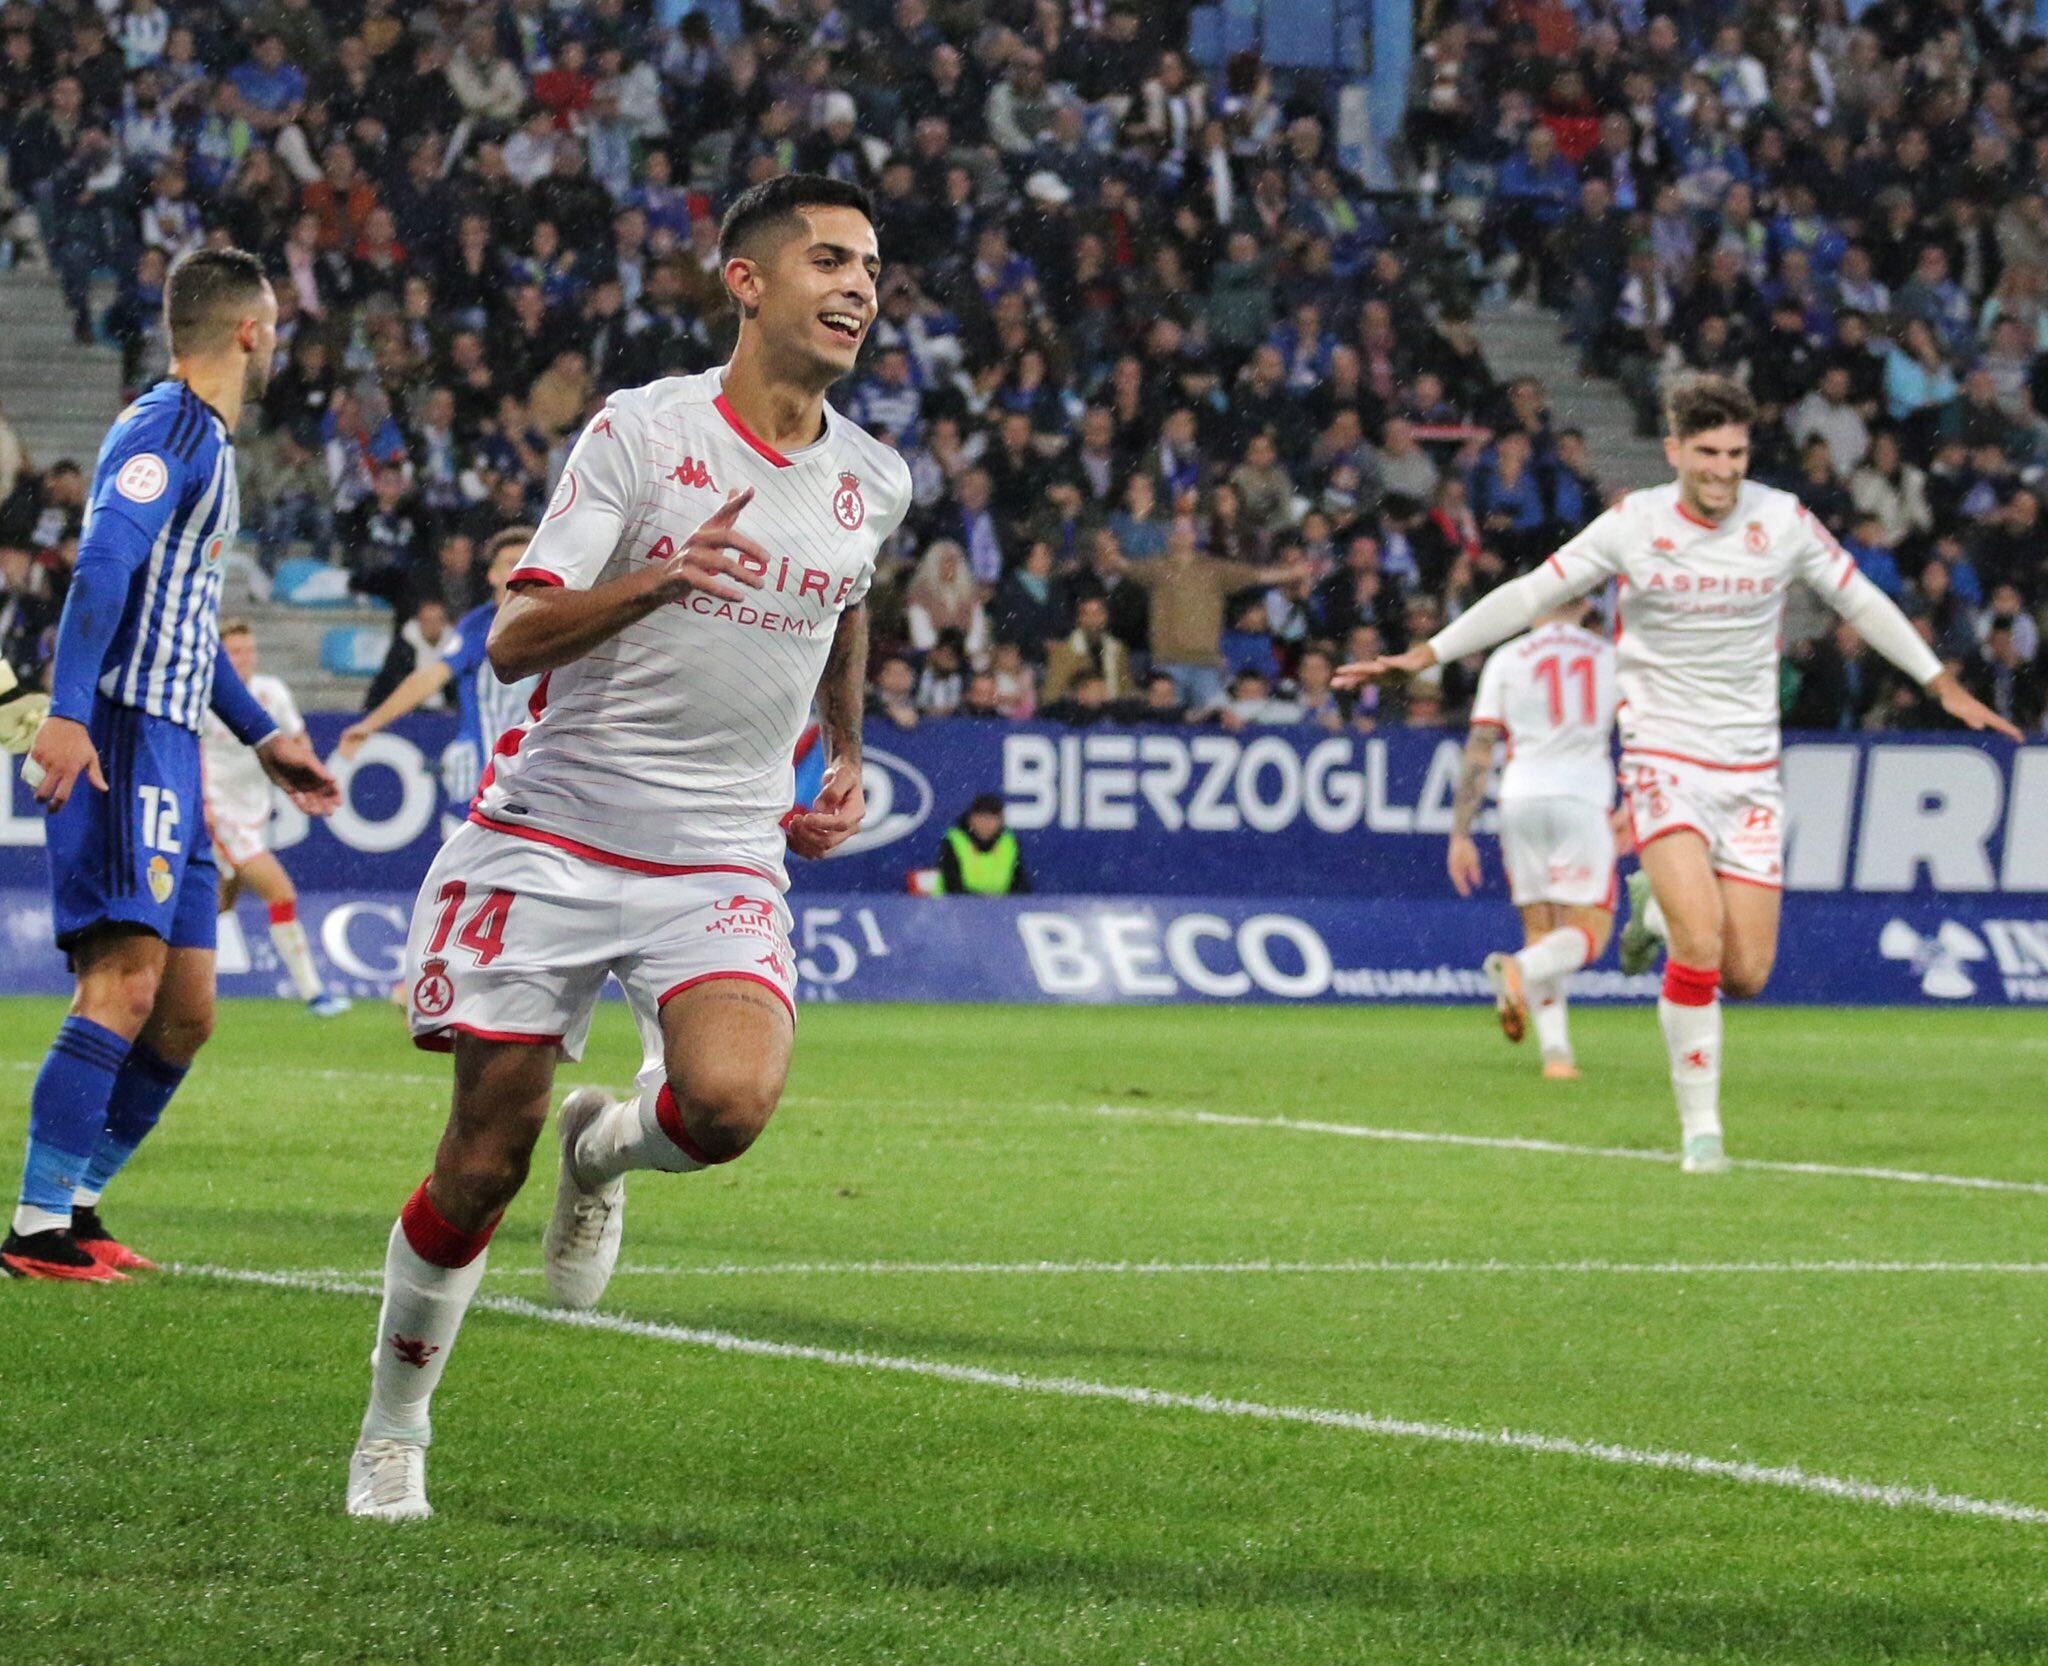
<point x="1526" y="343"/>
<point x="58" y="395"/>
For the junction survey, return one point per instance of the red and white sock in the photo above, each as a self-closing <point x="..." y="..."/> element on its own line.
<point x="1556" y="954"/>
<point x="289" y="937"/>
<point x="644" y="1132"/>
<point x="431" y="1271"/>
<point x="1547" y="1008"/>
<point x="1690" y="1012"/>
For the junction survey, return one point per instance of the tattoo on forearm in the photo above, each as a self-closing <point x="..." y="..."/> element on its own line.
<point x="843" y="688"/>
<point x="1471" y="791"/>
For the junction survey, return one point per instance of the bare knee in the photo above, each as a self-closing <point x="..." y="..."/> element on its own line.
<point x="1744" y="982"/>
<point x="179" y="1036"/>
<point x="725" y="1111"/>
<point x="477" y="1173"/>
<point x="121" y="1000"/>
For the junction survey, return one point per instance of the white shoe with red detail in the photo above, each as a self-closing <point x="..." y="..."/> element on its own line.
<point x="580" y="1247"/>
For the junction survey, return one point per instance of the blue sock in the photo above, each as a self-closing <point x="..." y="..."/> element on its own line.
<point x="67" y="1113"/>
<point x="141" y="1092"/>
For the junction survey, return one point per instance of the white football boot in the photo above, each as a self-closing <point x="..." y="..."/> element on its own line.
<point x="387" y="1481"/>
<point x="1704" y="1154"/>
<point x="581" y="1245"/>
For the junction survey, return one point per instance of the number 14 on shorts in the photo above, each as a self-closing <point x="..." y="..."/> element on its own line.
<point x="484" y="933"/>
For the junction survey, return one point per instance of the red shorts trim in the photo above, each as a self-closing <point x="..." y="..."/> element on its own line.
<point x="442" y="1040"/>
<point x="1629" y="752"/>
<point x="1675" y="827"/>
<point x="781" y="994"/>
<point x="534" y="575"/>
<point x="612" y="859"/>
<point x="1744" y="879"/>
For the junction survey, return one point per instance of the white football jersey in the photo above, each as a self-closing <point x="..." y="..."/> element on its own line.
<point x="236" y="788"/>
<point x="1552" y="696"/>
<point x="669" y="745"/>
<point x="1701" y="609"/>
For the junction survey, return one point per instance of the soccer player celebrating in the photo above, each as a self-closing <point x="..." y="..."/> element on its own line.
<point x="1550" y="696"/>
<point x="489" y="705"/>
<point x="238" y="811"/>
<point x="700" y="576"/>
<point x="139" y="664"/>
<point x="1703" y="567"/>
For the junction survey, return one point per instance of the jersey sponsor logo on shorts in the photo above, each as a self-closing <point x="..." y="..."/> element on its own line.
<point x="848" y="507"/>
<point x="433" y="995"/>
<point x="690" y="472"/>
<point x="142" y="479"/>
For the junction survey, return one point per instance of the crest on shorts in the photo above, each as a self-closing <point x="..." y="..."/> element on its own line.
<point x="1755" y="539"/>
<point x="847" y="505"/>
<point x="159" y="877"/>
<point x="433" y="995"/>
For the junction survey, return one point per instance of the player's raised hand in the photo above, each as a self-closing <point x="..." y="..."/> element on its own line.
<point x="717" y="558"/>
<point x="1462" y="861"/>
<point x="834" y="818"/>
<point x="58" y="758"/>
<point x="291" y="762"/>
<point x="351" y="741"/>
<point x="1967" y="709"/>
<point x="1362" y="671"/>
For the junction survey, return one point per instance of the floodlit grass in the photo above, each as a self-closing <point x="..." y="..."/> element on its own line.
<point x="938" y="1190"/>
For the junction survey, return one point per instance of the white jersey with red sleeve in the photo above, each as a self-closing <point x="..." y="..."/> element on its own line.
<point x="236" y="788"/>
<point x="667" y="748"/>
<point x="1701" y="610"/>
<point x="1552" y="696"/>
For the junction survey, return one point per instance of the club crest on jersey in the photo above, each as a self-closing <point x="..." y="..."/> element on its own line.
<point x="159" y="878"/>
<point x="690" y="472"/>
<point x="433" y="994"/>
<point x="1755" y="539"/>
<point x="1663" y="546"/>
<point x="847" y="505"/>
<point x="142" y="479"/>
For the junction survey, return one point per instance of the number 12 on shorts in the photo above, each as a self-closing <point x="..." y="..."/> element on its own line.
<point x="484" y="935"/>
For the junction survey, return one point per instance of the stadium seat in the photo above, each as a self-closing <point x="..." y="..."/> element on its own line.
<point x="353" y="650"/>
<point x="305" y="582"/>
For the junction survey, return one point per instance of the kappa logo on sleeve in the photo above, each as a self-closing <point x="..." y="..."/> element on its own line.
<point x="142" y="479"/>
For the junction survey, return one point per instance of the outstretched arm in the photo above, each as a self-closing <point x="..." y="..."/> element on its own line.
<point x="1880" y="623"/>
<point x="842" y="691"/>
<point x="418" y="686"/>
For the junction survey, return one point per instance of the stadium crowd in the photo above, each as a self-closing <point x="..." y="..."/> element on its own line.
<point x="1191" y="416"/>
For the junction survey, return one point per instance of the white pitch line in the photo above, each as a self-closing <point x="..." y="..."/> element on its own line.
<point x="1057" y="1269"/>
<point x="1559" y="1148"/>
<point x="1782" y="1477"/>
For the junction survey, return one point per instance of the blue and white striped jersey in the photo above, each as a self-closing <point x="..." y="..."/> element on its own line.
<point x="165" y="502"/>
<point x="489" y="707"/>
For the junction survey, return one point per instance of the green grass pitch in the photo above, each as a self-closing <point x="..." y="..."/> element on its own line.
<point x="1014" y="1219"/>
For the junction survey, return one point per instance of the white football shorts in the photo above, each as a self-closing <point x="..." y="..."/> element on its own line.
<point x="1739" y="812"/>
<point x="512" y="939"/>
<point x="1557" y="850"/>
<point x="240" y="842"/>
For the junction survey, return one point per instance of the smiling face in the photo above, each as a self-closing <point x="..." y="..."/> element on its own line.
<point x="812" y="293"/>
<point x="1710" y="466"/>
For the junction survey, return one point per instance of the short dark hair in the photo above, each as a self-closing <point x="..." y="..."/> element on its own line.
<point x="774" y="202"/>
<point x="205" y="294"/>
<point x="235" y="625"/>
<point x="1693" y="404"/>
<point x="504" y="538"/>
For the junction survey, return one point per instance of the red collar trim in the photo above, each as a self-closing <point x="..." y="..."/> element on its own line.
<point x="1683" y="512"/>
<point x="724" y="408"/>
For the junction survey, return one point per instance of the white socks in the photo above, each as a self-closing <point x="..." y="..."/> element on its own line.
<point x="289" y="938"/>
<point x="1690" y="1012"/>
<point x="431" y="1270"/>
<point x="644" y="1132"/>
<point x="1556" y="954"/>
<point x="1547" y="1005"/>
